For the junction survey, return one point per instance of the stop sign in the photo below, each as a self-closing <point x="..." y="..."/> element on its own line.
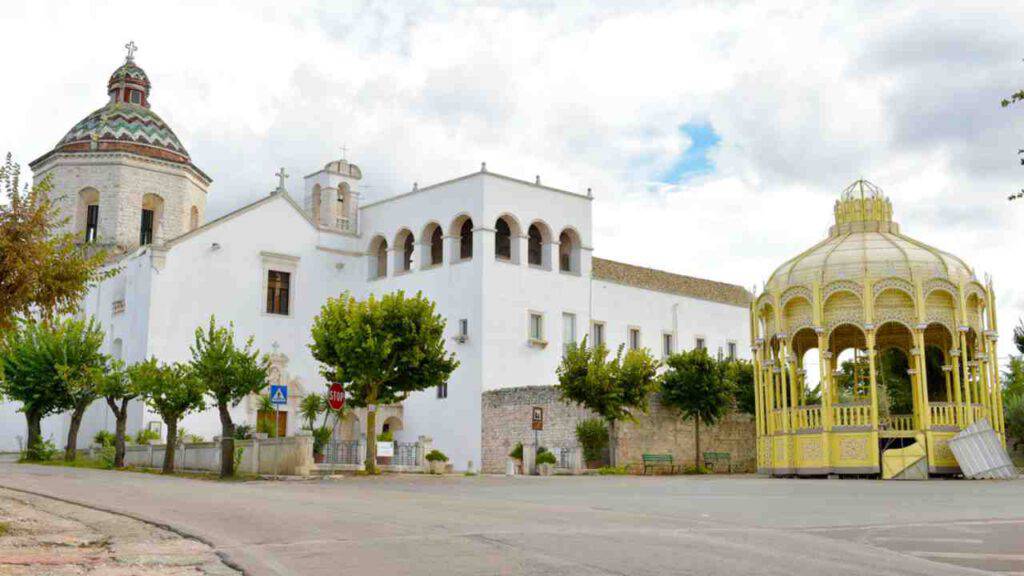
<point x="336" y="396"/>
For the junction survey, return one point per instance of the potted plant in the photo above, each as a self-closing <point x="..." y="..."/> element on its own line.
<point x="517" y="456"/>
<point x="592" y="435"/>
<point x="545" y="461"/>
<point x="437" y="460"/>
<point x="321" y="436"/>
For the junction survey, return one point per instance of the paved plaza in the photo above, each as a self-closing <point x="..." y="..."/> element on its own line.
<point x="458" y="525"/>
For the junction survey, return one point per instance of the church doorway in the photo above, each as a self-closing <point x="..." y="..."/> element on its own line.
<point x="273" y="423"/>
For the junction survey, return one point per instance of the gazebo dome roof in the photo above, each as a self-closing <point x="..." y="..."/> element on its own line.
<point x="865" y="239"/>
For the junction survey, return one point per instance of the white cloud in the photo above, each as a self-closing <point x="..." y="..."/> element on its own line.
<point x="805" y="97"/>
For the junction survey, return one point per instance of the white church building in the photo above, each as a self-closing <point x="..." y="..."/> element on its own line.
<point x="509" y="263"/>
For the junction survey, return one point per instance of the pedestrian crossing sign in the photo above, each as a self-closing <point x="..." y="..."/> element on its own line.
<point x="278" y="394"/>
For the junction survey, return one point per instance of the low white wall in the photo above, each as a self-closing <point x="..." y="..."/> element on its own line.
<point x="289" y="456"/>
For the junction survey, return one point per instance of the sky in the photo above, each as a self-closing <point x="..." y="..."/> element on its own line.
<point x="715" y="135"/>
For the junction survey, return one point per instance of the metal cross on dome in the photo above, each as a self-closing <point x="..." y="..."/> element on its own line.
<point x="281" y="175"/>
<point x="344" y="152"/>
<point x="132" y="48"/>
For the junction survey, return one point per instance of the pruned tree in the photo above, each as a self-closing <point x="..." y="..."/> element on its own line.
<point x="230" y="374"/>
<point x="49" y="368"/>
<point x="695" y="385"/>
<point x="117" y="388"/>
<point x="612" y="389"/>
<point x="42" y="269"/>
<point x="383" y="349"/>
<point x="1014" y="98"/>
<point x="172" y="390"/>
<point x="740" y="375"/>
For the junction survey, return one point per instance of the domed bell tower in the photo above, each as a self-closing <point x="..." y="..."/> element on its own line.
<point x="120" y="177"/>
<point x="331" y="196"/>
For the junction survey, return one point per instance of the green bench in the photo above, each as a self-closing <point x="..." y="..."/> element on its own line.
<point x="658" y="460"/>
<point x="713" y="458"/>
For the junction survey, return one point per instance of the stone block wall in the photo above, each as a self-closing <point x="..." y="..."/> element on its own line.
<point x="507" y="414"/>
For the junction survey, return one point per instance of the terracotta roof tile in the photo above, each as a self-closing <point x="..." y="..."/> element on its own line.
<point x="661" y="281"/>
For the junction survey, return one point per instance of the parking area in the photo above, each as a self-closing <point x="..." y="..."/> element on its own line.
<point x="453" y="525"/>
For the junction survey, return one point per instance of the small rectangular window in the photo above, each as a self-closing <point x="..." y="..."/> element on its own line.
<point x="92" y="222"/>
<point x="568" y="331"/>
<point x="442" y="390"/>
<point x="278" y="284"/>
<point x="732" y="350"/>
<point x="536" y="326"/>
<point x="464" y="327"/>
<point x="146" y="228"/>
<point x="634" y="338"/>
<point x="699" y="343"/>
<point x="666" y="345"/>
<point x="597" y="336"/>
<point x="136" y="97"/>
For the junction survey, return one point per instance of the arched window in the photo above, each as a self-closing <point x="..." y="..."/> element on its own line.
<point x="315" y="204"/>
<point x="378" y="257"/>
<point x="535" y="248"/>
<point x="568" y="251"/>
<point x="436" y="246"/>
<point x="502" y="240"/>
<point x="152" y="217"/>
<point x="403" y="258"/>
<point x="466" y="239"/>
<point x="193" y="218"/>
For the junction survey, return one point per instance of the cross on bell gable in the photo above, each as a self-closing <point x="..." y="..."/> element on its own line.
<point x="132" y="48"/>
<point x="281" y="175"/>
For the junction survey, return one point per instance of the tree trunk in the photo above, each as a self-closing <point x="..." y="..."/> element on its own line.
<point x="227" y="442"/>
<point x="696" y="441"/>
<point x="613" y="444"/>
<point x="371" y="441"/>
<point x="35" y="434"/>
<point x="172" y="441"/>
<point x="76" y="422"/>
<point x="120" y="426"/>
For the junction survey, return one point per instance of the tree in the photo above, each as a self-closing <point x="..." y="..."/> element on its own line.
<point x="312" y="406"/>
<point x="1013" y="99"/>
<point x="117" y="388"/>
<point x="47" y="367"/>
<point x="383" y="349"/>
<point x="612" y="389"/>
<point x="80" y="367"/>
<point x="172" y="390"/>
<point x="230" y="374"/>
<point x="695" y="385"/>
<point x="41" y="268"/>
<point x="740" y="376"/>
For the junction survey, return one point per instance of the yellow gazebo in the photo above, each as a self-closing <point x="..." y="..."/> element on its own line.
<point x="868" y="289"/>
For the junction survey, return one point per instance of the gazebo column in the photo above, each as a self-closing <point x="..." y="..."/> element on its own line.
<point x="968" y="409"/>
<point x="922" y="377"/>
<point x="824" y="363"/>
<point x="997" y="390"/>
<point x="946" y="368"/>
<point x="872" y="378"/>
<point x="961" y="417"/>
<point x="758" y="405"/>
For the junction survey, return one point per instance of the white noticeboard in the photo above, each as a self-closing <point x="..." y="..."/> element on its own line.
<point x="385" y="449"/>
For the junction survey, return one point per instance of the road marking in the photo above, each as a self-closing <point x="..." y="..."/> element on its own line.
<point x="964" y="555"/>
<point x="937" y="540"/>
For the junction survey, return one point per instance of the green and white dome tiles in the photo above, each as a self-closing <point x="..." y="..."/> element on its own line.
<point x="124" y="122"/>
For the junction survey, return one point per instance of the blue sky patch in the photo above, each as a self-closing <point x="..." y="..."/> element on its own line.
<point x="694" y="161"/>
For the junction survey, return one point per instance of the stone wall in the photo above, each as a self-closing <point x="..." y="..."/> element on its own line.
<point x="507" y="414"/>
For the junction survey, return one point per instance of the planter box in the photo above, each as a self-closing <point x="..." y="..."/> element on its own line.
<point x="438" y="467"/>
<point x="545" y="469"/>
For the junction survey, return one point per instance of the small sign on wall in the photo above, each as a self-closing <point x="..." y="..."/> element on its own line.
<point x="385" y="449"/>
<point x="538" y="418"/>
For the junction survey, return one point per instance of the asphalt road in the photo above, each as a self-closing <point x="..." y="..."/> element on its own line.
<point x="569" y="526"/>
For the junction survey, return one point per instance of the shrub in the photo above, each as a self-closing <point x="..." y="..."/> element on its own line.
<point x="386" y="437"/>
<point x="1013" y="415"/>
<point x="106" y="457"/>
<point x="613" y="470"/>
<point x="104" y="438"/>
<point x="243" y="432"/>
<point x="239" y="452"/>
<point x="696" y="470"/>
<point x="321" y="436"/>
<point x="42" y="451"/>
<point x="436" y="456"/>
<point x="146" y="436"/>
<point x="592" y="435"/>
<point x="546" y="457"/>
<point x="517" y="452"/>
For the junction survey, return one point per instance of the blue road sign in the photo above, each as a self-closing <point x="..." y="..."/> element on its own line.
<point x="279" y="394"/>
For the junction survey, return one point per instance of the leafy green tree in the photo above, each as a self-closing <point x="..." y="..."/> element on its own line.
<point x="230" y="374"/>
<point x="1013" y="419"/>
<point x="695" y="385"/>
<point x="1013" y="99"/>
<point x="41" y="268"/>
<point x="740" y="376"/>
<point x="592" y="434"/>
<point x="384" y="349"/>
<point x="80" y="367"/>
<point x="172" y="390"/>
<point x="117" y="388"/>
<point x="612" y="389"/>
<point x="47" y="367"/>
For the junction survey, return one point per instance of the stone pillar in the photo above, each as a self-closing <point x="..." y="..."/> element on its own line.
<point x="529" y="458"/>
<point x="577" y="461"/>
<point x="361" y="453"/>
<point x="424" y="445"/>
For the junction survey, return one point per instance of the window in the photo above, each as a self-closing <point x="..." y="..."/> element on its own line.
<point x="379" y="258"/>
<point x="146" y="229"/>
<point x="442" y="390"/>
<point x="536" y="326"/>
<point x="466" y="240"/>
<point x="568" y="331"/>
<point x="463" y="328"/>
<point x="277" y="292"/>
<point x="634" y="338"/>
<point x="436" y="246"/>
<point x="502" y="240"/>
<point x="666" y="345"/>
<point x="407" y="248"/>
<point x="136" y="96"/>
<point x="731" y="347"/>
<point x="699" y="343"/>
<point x="92" y="222"/>
<point x="597" y="334"/>
<point x="536" y="246"/>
